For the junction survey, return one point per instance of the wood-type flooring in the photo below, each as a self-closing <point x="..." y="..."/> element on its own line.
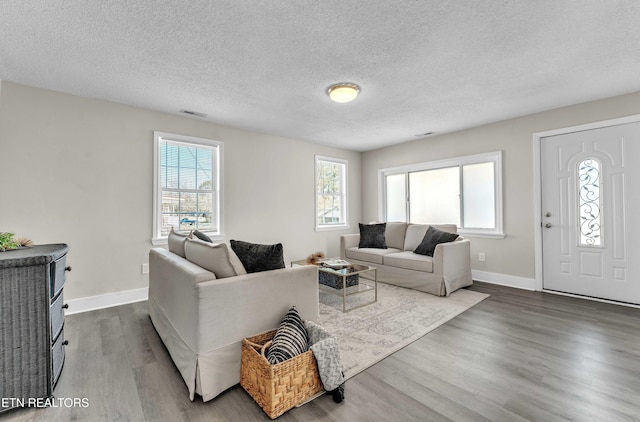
<point x="517" y="356"/>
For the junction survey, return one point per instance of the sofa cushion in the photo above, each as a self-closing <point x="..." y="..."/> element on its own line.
<point x="256" y="257"/>
<point x="289" y="340"/>
<point x="210" y="256"/>
<point x="449" y="228"/>
<point x="236" y="263"/>
<point x="372" y="255"/>
<point x="410" y="261"/>
<point x="432" y="238"/>
<point x="373" y="236"/>
<point x="394" y="235"/>
<point x="202" y="236"/>
<point x="176" y="241"/>
<point x="415" y="234"/>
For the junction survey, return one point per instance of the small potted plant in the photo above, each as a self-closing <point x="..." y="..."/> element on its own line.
<point x="7" y="242"/>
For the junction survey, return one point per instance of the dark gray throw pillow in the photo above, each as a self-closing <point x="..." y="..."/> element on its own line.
<point x="202" y="236"/>
<point x="290" y="339"/>
<point x="256" y="257"/>
<point x="372" y="236"/>
<point x="432" y="238"/>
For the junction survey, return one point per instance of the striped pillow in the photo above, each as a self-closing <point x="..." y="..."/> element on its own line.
<point x="290" y="339"/>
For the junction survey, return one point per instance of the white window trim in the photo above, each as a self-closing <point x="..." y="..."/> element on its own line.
<point x="157" y="239"/>
<point x="495" y="156"/>
<point x="345" y="194"/>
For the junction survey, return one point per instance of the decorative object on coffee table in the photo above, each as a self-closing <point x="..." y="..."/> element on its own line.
<point x="335" y="280"/>
<point x="315" y="258"/>
<point x="335" y="263"/>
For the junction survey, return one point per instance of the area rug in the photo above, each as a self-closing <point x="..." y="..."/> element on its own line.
<point x="400" y="316"/>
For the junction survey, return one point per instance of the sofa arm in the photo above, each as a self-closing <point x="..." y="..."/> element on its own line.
<point x="230" y="309"/>
<point x="172" y="281"/>
<point x="348" y="241"/>
<point x="453" y="261"/>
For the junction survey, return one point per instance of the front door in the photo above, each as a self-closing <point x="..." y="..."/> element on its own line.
<point x="591" y="212"/>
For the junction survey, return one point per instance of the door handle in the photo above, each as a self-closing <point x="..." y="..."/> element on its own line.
<point x="548" y="225"/>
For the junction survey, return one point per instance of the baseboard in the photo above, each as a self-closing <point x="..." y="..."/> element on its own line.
<point x="91" y="303"/>
<point x="504" y="280"/>
<point x="593" y="299"/>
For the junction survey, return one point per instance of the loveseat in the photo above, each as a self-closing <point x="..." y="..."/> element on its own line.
<point x="441" y="274"/>
<point x="202" y="314"/>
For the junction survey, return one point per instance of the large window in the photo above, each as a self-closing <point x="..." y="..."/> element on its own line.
<point x="466" y="191"/>
<point x="331" y="193"/>
<point x="187" y="185"/>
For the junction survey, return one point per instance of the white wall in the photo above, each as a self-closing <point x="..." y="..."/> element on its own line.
<point x="512" y="256"/>
<point x="79" y="171"/>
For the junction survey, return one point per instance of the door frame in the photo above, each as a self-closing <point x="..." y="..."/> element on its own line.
<point x="537" y="181"/>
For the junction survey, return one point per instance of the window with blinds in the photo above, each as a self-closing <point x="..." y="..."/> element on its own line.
<point x="187" y="185"/>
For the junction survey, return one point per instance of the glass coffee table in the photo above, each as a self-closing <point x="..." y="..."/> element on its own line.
<point x="347" y="282"/>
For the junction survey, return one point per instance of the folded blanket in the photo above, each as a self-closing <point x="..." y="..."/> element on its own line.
<point x="327" y="353"/>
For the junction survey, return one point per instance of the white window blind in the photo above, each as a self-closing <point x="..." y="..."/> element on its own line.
<point x="187" y="194"/>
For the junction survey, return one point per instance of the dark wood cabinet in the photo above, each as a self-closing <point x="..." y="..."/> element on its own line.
<point x="31" y="321"/>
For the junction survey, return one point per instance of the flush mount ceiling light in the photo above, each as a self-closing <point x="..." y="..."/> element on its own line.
<point x="343" y="92"/>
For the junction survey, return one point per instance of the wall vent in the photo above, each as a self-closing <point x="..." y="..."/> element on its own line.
<point x="193" y="113"/>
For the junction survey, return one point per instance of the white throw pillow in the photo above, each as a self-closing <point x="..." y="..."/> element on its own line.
<point x="235" y="262"/>
<point x="176" y="241"/>
<point x="214" y="257"/>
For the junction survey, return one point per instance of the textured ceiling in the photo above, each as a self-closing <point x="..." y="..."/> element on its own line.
<point x="423" y="66"/>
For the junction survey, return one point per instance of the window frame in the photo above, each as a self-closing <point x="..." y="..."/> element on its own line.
<point x="495" y="157"/>
<point x="158" y="138"/>
<point x="344" y="195"/>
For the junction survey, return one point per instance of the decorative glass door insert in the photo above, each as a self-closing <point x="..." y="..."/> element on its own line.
<point x="589" y="202"/>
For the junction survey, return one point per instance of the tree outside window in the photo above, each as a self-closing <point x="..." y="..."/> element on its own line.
<point x="331" y="193"/>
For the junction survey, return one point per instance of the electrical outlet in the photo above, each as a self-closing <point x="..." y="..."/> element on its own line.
<point x="481" y="257"/>
<point x="145" y="268"/>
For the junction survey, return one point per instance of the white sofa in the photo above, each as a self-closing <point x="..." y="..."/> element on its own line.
<point x="202" y="320"/>
<point x="448" y="270"/>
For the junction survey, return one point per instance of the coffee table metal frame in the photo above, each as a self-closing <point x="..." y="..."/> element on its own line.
<point x="361" y="287"/>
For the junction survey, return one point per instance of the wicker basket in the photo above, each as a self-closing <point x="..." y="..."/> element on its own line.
<point x="277" y="388"/>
